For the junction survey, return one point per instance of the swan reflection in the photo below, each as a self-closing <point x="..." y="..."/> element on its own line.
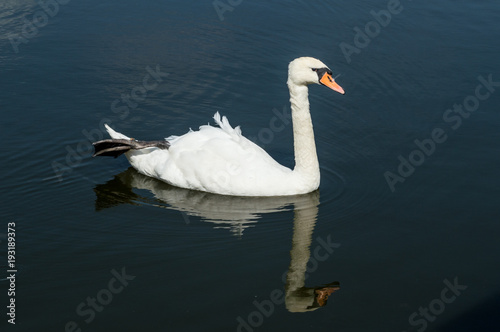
<point x="228" y="212"/>
<point x="298" y="297"/>
<point x="236" y="214"/>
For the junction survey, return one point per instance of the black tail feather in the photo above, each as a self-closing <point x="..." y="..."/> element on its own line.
<point x="117" y="147"/>
<point x="111" y="147"/>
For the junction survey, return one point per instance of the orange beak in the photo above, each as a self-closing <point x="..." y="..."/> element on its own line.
<point x="327" y="80"/>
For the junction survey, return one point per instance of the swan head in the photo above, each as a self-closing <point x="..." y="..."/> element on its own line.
<point x="306" y="70"/>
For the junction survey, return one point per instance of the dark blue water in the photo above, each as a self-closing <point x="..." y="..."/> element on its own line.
<point x="403" y="230"/>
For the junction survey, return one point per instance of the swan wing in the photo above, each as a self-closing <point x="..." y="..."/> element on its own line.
<point x="213" y="159"/>
<point x="220" y="160"/>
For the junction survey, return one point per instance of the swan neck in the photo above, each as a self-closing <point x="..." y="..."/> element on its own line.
<point x="306" y="159"/>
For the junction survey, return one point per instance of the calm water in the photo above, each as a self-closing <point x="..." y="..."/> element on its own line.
<point x="404" y="227"/>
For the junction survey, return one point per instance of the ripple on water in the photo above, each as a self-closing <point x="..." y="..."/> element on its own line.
<point x="352" y="181"/>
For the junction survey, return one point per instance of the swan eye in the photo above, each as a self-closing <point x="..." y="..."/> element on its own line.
<point x="314" y="69"/>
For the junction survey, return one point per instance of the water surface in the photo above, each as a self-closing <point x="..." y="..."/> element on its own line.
<point x="190" y="261"/>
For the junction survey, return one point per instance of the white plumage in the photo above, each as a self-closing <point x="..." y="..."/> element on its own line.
<point x="221" y="160"/>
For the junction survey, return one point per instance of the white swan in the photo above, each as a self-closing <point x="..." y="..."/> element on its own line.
<point x="222" y="161"/>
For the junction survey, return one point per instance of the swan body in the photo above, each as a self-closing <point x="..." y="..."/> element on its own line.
<point x="221" y="160"/>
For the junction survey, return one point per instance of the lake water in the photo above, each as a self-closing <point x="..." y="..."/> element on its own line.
<point x="403" y="230"/>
